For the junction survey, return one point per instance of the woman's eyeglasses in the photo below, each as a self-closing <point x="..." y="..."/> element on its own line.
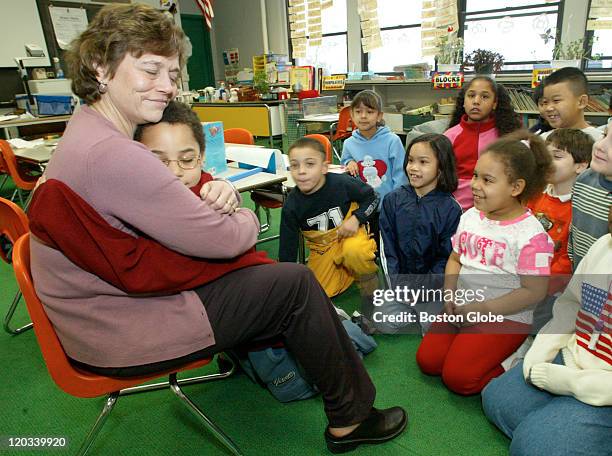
<point x="183" y="163"/>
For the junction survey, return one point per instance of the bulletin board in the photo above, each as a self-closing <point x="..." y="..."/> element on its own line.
<point x="47" y="23"/>
<point x="20" y="24"/>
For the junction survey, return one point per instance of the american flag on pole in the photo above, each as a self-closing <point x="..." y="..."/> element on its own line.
<point x="595" y="316"/>
<point x="206" y="8"/>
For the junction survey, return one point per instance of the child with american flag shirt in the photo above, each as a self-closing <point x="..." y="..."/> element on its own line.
<point x="560" y="398"/>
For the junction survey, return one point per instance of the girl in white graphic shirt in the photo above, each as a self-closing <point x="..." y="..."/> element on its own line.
<point x="498" y="269"/>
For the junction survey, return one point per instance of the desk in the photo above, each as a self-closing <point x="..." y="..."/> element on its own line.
<point x="254" y="181"/>
<point x="328" y="119"/>
<point x="10" y="126"/>
<point x="40" y="155"/>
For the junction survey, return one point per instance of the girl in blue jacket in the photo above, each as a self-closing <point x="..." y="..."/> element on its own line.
<point x="417" y="220"/>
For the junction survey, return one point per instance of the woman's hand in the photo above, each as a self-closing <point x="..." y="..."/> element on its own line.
<point x="348" y="228"/>
<point x="220" y="195"/>
<point x="352" y="168"/>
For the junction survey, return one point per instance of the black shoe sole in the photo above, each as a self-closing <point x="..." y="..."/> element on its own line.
<point x="349" y="445"/>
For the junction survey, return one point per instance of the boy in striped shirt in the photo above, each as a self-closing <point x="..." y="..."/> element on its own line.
<point x="591" y="199"/>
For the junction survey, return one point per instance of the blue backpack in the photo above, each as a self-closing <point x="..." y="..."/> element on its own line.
<point x="276" y="369"/>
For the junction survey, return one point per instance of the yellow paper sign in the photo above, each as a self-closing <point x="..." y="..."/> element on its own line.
<point x="538" y="75"/>
<point x="334" y="82"/>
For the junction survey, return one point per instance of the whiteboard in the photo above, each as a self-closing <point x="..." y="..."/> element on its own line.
<point x="20" y="24"/>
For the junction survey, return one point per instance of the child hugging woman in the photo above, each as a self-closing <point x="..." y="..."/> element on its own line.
<point x="483" y="113"/>
<point x="501" y="253"/>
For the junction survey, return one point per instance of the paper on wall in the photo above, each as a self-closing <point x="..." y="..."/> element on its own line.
<point x="68" y="23"/>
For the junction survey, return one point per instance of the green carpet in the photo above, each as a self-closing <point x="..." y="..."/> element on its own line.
<point x="155" y="423"/>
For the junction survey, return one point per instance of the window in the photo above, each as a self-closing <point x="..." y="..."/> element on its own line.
<point x="523" y="33"/>
<point x="599" y="39"/>
<point x="332" y="55"/>
<point x="400" y="30"/>
<point x="602" y="47"/>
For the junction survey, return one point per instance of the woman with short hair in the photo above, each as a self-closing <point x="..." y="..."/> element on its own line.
<point x="126" y="66"/>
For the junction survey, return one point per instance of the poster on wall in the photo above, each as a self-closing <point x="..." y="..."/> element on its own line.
<point x="68" y="23"/>
<point x="439" y="17"/>
<point x="370" y="28"/>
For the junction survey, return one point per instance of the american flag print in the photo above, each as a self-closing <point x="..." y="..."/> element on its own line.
<point x="595" y="317"/>
<point x="207" y="10"/>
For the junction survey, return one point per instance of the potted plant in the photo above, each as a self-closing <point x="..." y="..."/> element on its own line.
<point x="450" y="50"/>
<point x="570" y="54"/>
<point x="260" y="84"/>
<point x="484" y="62"/>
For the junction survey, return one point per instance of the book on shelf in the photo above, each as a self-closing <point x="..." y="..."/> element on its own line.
<point x="302" y="74"/>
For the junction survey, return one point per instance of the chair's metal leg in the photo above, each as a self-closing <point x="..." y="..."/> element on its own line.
<point x="28" y="201"/>
<point x="263" y="227"/>
<point x="212" y="427"/>
<point x="337" y="154"/>
<point x="12" y="198"/>
<point x="182" y="381"/>
<point x="269" y="238"/>
<point x="111" y="400"/>
<point x="20" y="195"/>
<point x="267" y="226"/>
<point x="9" y="316"/>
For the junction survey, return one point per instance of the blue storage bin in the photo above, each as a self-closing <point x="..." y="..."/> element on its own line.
<point x="54" y="105"/>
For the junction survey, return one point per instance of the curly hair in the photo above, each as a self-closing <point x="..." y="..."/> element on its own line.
<point x="525" y="157"/>
<point x="115" y="31"/>
<point x="506" y="120"/>
<point x="177" y="114"/>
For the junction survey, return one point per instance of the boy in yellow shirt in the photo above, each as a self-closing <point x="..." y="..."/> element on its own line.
<point x="330" y="210"/>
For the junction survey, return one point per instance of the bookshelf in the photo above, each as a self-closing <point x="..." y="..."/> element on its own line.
<point x="415" y="93"/>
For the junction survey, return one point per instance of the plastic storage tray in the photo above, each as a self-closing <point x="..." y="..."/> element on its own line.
<point x="54" y="105"/>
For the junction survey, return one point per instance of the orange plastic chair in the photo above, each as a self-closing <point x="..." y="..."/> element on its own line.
<point x="326" y="144"/>
<point x="345" y="126"/>
<point x="81" y="383"/>
<point x="4" y="175"/>
<point x="238" y="136"/>
<point x="23" y="181"/>
<point x="343" y="129"/>
<point x="13" y="225"/>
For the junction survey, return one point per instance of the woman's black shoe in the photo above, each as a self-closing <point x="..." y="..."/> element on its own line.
<point x="378" y="427"/>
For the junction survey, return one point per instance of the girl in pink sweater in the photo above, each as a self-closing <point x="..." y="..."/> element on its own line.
<point x="483" y="112"/>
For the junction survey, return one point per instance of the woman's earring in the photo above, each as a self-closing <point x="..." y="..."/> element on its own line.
<point x="102" y="87"/>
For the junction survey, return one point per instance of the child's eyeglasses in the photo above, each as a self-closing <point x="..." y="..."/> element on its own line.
<point x="183" y="163"/>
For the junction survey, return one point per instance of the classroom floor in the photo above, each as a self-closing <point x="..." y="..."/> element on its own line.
<point x="441" y="423"/>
